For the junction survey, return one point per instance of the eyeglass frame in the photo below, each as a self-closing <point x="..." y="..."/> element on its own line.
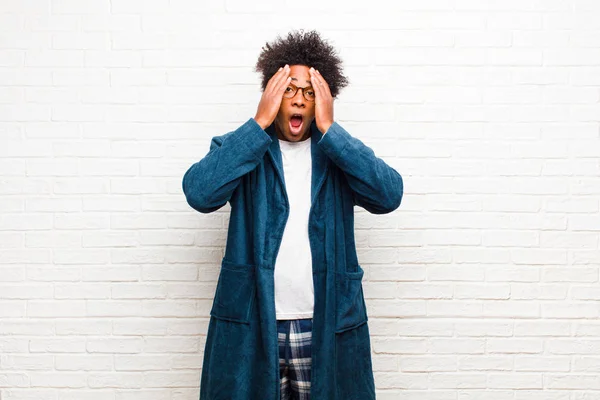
<point x="296" y="92"/>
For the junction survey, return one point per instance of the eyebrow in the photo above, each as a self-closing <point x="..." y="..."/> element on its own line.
<point x="308" y="81"/>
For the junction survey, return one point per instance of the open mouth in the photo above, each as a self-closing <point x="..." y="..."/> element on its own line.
<point x="296" y="122"/>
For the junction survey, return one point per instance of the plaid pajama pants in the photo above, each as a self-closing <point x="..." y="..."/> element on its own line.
<point x="294" y="337"/>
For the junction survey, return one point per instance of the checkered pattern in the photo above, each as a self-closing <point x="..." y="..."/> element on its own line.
<point x="295" y="358"/>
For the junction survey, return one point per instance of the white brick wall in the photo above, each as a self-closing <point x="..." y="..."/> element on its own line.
<point x="484" y="285"/>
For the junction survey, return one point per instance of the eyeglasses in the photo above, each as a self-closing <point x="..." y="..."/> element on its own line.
<point x="307" y="92"/>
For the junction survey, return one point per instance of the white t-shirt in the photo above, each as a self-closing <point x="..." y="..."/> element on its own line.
<point x="294" y="291"/>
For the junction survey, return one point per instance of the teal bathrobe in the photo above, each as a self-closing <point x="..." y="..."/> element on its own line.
<point x="244" y="167"/>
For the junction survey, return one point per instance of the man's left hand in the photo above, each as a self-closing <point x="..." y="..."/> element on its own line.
<point x="323" y="101"/>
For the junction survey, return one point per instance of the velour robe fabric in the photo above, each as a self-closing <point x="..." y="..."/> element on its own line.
<point x="244" y="167"/>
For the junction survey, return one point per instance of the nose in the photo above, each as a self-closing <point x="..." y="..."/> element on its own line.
<point x="298" y="99"/>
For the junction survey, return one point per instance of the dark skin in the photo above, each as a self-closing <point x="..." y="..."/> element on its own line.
<point x="273" y="107"/>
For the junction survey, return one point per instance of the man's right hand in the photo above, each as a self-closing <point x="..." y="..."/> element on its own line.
<point x="269" y="104"/>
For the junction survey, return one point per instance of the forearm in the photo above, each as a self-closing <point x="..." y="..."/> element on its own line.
<point x="209" y="183"/>
<point x="376" y="186"/>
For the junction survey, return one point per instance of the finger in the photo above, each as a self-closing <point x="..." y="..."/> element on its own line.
<point x="316" y="83"/>
<point x="283" y="81"/>
<point x="274" y="77"/>
<point x="280" y="77"/>
<point x="314" y="78"/>
<point x="324" y="83"/>
<point x="316" y="74"/>
<point x="321" y="86"/>
<point x="283" y="85"/>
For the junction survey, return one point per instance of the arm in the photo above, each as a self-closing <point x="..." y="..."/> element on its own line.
<point x="209" y="183"/>
<point x="376" y="186"/>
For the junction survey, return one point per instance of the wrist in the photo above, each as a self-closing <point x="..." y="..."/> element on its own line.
<point x="261" y="123"/>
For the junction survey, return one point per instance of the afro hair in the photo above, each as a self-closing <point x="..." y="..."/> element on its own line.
<point x="302" y="48"/>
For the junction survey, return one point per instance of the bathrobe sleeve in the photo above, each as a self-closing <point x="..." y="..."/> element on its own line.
<point x="209" y="183"/>
<point x="376" y="186"/>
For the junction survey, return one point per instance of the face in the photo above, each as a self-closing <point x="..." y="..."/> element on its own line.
<point x="297" y="113"/>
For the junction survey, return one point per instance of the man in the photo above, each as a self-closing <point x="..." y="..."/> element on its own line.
<point x="289" y="317"/>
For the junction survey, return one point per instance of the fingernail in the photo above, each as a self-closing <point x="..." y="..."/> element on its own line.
<point x="279" y="69"/>
<point x="287" y="66"/>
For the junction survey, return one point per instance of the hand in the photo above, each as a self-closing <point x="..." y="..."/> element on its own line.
<point x="323" y="101"/>
<point x="269" y="104"/>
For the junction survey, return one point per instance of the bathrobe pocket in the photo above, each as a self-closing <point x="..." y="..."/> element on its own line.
<point x="235" y="292"/>
<point x="351" y="309"/>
